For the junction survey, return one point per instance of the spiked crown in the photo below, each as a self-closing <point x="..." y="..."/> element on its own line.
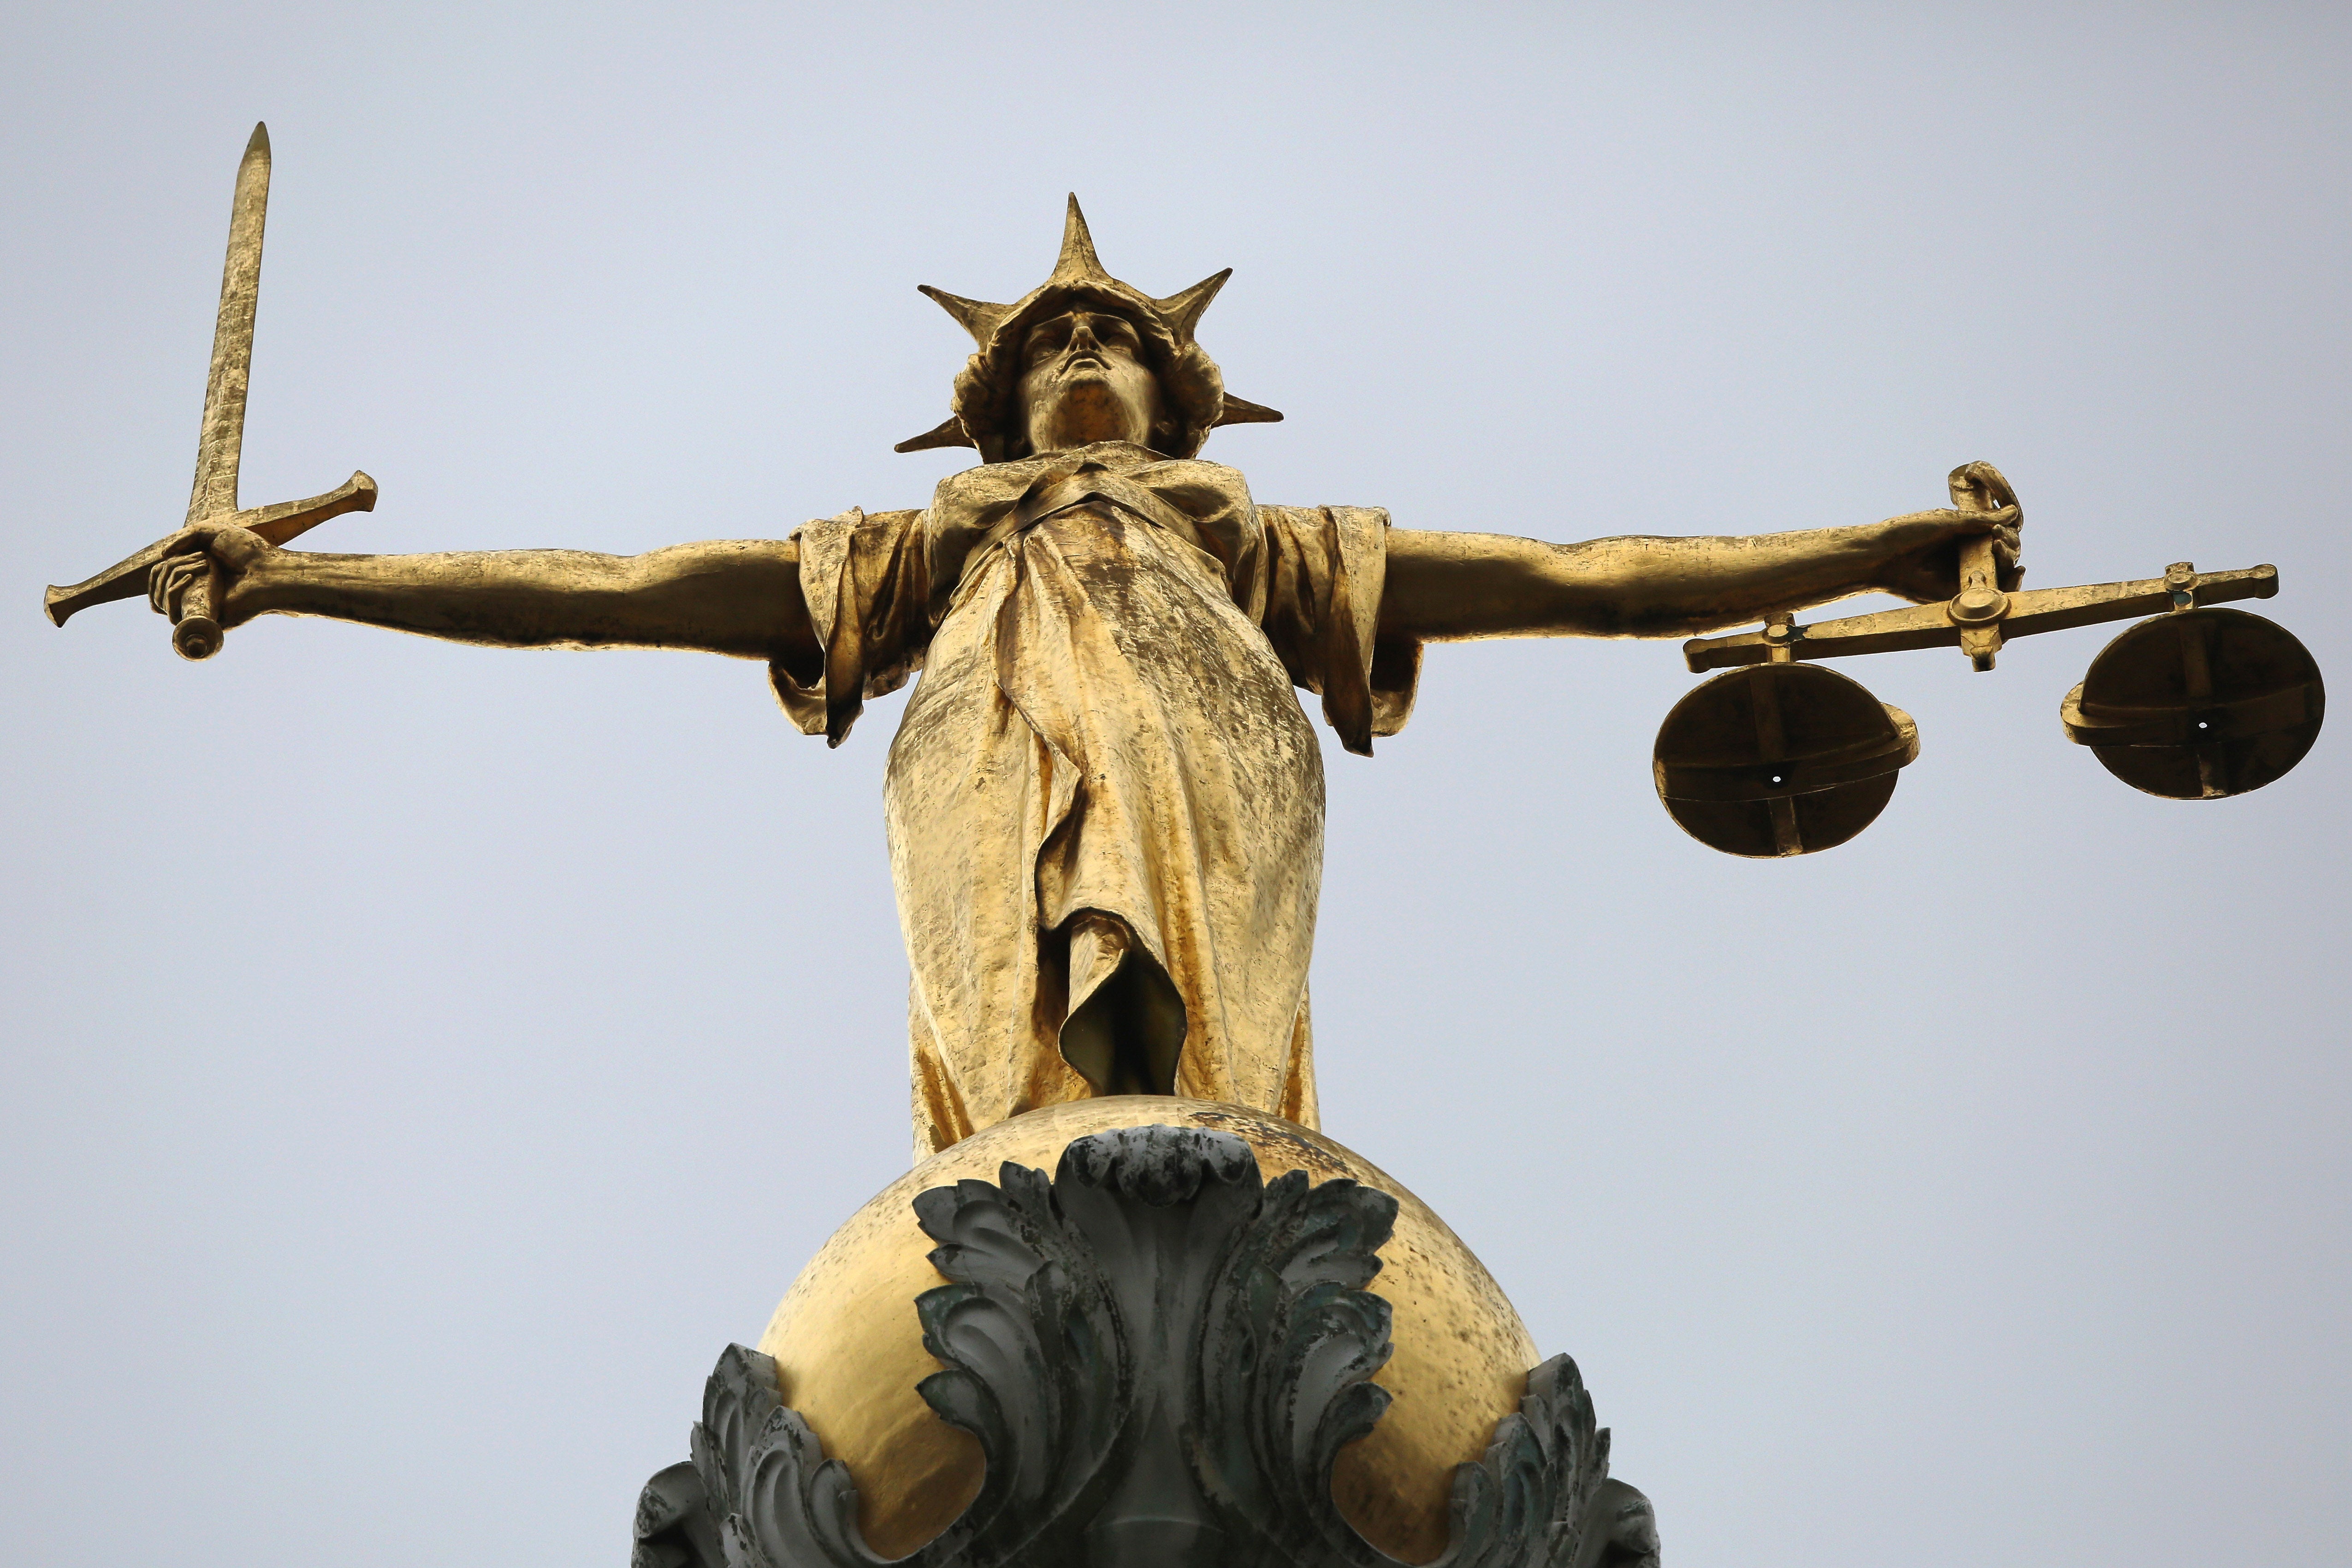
<point x="988" y="415"/>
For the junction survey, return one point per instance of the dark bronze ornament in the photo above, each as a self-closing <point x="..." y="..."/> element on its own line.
<point x="1780" y="760"/>
<point x="2199" y="705"/>
<point x="1160" y="1354"/>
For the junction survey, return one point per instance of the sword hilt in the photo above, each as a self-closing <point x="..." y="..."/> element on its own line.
<point x="197" y="634"/>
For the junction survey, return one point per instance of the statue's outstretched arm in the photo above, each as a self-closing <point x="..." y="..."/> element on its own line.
<point x="736" y="597"/>
<point x="1447" y="586"/>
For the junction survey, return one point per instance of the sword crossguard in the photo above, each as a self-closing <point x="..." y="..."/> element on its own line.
<point x="289" y="520"/>
<point x="196" y="634"/>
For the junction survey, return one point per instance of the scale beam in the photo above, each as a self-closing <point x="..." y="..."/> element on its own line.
<point x="2022" y="614"/>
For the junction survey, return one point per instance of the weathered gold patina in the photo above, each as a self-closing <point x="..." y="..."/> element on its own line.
<point x="850" y="1351"/>
<point x="1105" y="805"/>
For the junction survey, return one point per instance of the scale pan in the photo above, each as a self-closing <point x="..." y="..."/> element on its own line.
<point x="2199" y="704"/>
<point x="1780" y="759"/>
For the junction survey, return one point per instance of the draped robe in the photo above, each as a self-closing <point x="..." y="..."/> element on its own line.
<point x="1103" y="772"/>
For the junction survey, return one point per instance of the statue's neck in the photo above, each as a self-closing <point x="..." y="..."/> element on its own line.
<point x="1123" y="454"/>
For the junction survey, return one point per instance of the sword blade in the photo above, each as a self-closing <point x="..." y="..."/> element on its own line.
<point x="222" y="440"/>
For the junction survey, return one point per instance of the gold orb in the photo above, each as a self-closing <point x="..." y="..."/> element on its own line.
<point x="850" y="1351"/>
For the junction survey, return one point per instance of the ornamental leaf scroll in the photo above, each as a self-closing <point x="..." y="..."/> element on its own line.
<point x="1160" y="1354"/>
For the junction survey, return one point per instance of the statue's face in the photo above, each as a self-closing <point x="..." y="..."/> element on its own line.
<point x="1084" y="379"/>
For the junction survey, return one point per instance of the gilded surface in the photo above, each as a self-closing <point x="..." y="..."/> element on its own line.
<point x="1108" y="642"/>
<point x="850" y="1353"/>
<point x="1105" y="803"/>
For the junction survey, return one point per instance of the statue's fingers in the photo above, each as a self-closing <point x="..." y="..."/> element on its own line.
<point x="1982" y="483"/>
<point x="177" y="551"/>
<point x="2007" y="552"/>
<point x="1970" y="522"/>
<point x="185" y="570"/>
<point x="159" y="583"/>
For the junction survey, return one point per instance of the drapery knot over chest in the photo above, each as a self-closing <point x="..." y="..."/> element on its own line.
<point x="1206" y="504"/>
<point x="878" y="585"/>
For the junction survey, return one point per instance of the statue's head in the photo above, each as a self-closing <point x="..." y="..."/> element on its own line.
<point x="1083" y="358"/>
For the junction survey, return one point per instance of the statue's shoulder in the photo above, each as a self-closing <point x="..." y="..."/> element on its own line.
<point x="1348" y="519"/>
<point x="826" y="544"/>
<point x="855" y="522"/>
<point x="1198" y="468"/>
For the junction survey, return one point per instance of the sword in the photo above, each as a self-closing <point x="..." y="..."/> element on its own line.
<point x="195" y="633"/>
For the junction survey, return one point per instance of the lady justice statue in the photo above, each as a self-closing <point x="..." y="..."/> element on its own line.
<point x="1105" y="805"/>
<point x="1105" y="811"/>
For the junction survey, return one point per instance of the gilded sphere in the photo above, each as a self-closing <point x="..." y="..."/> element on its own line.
<point x="850" y="1351"/>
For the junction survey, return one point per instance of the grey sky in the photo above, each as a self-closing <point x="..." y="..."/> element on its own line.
<point x="421" y="1061"/>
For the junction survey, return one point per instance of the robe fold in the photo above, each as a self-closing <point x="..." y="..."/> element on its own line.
<point x="1103" y="770"/>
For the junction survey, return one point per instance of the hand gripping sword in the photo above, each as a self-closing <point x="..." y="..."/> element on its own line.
<point x="196" y="634"/>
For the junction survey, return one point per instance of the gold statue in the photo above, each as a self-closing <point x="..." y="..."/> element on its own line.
<point x="1104" y="804"/>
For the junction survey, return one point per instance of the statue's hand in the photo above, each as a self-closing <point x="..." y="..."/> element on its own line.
<point x="1921" y="558"/>
<point x="224" y="547"/>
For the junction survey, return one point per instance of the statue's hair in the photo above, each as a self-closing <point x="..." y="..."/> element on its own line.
<point x="988" y="413"/>
<point x="987" y="400"/>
